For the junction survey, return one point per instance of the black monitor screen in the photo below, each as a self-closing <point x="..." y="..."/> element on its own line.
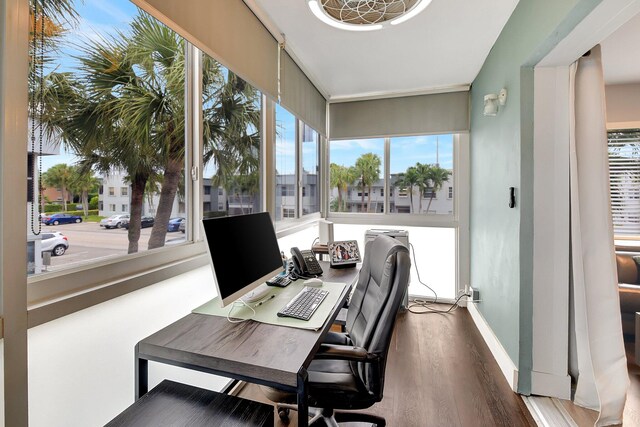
<point x="244" y="253"/>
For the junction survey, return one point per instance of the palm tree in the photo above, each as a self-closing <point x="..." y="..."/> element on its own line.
<point x="83" y="182"/>
<point x="95" y="124"/>
<point x="437" y="177"/>
<point x="423" y="181"/>
<point x="231" y="111"/>
<point x="340" y="178"/>
<point x="125" y="110"/>
<point x="408" y="180"/>
<point x="367" y="169"/>
<point x="59" y="176"/>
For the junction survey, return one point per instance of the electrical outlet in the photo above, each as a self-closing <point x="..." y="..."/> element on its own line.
<point x="474" y="294"/>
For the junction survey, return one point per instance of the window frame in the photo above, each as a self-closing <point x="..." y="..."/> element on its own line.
<point x="452" y="220"/>
<point x="285" y="224"/>
<point x="56" y="294"/>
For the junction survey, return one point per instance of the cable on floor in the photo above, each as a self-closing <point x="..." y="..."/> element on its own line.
<point x="424" y="305"/>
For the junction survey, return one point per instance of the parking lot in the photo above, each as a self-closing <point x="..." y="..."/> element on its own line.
<point x="88" y="241"/>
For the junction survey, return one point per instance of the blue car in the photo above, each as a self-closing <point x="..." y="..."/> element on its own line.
<point x="61" y="218"/>
<point x="174" y="224"/>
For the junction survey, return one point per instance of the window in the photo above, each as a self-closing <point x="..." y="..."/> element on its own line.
<point x="420" y="166"/>
<point x="207" y="190"/>
<point x="624" y="179"/>
<point x="430" y="193"/>
<point x="450" y="193"/>
<point x="356" y="165"/>
<point x="310" y="167"/>
<point x="146" y="107"/>
<point x="231" y="147"/>
<point x="285" y="162"/>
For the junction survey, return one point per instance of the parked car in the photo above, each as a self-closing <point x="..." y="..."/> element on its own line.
<point x="183" y="225"/>
<point x="174" y="224"/>
<point x="55" y="242"/>
<point x="145" y="221"/>
<point x="61" y="218"/>
<point x="114" y="221"/>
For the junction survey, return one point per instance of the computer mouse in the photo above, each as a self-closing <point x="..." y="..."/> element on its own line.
<point x="313" y="282"/>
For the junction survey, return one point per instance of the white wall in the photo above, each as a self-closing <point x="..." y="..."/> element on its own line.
<point x="435" y="256"/>
<point x="81" y="366"/>
<point x="623" y="105"/>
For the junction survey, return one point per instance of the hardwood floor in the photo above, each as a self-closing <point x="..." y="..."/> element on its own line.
<point x="440" y="373"/>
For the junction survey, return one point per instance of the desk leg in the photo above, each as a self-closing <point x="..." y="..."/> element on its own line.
<point x="303" y="403"/>
<point x="142" y="376"/>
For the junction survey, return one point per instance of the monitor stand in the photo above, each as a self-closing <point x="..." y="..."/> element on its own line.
<point x="257" y="294"/>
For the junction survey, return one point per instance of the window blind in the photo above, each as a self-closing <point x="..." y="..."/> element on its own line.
<point x="405" y="115"/>
<point x="624" y="181"/>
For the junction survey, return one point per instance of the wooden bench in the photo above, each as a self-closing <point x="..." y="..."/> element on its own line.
<point x="175" y="404"/>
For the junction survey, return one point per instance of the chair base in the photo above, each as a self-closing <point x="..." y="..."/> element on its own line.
<point x="330" y="417"/>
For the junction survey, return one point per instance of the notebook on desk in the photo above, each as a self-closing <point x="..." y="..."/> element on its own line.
<point x="266" y="310"/>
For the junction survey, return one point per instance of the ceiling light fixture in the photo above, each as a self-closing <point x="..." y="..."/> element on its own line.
<point x="368" y="15"/>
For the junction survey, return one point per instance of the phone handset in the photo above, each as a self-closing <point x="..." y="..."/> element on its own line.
<point x="305" y="264"/>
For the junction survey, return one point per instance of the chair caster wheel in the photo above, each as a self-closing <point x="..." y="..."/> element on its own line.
<point x="283" y="413"/>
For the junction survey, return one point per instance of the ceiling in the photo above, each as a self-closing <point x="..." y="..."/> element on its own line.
<point x="443" y="48"/>
<point x="621" y="54"/>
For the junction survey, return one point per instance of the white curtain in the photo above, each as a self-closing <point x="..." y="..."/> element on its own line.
<point x="597" y="357"/>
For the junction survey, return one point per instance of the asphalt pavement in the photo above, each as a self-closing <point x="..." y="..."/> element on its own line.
<point x="88" y="242"/>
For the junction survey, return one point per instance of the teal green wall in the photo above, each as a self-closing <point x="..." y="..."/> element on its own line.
<point x="502" y="157"/>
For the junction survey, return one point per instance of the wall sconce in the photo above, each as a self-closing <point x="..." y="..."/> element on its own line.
<point x="491" y="102"/>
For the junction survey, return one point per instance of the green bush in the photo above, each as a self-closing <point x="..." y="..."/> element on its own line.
<point x="93" y="203"/>
<point x="52" y="208"/>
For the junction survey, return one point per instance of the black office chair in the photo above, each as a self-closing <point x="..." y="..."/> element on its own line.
<point x="348" y="370"/>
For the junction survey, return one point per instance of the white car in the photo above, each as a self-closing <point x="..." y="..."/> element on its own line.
<point x="115" y="221"/>
<point x="55" y="242"/>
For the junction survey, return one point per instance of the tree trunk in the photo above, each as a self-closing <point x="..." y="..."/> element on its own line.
<point x="410" y="199"/>
<point x="168" y="192"/>
<point x="85" y="202"/>
<point x="138" y="184"/>
<point x="362" y="192"/>
<point x="63" y="189"/>
<point x="369" y="198"/>
<point x="339" y="199"/>
<point x="420" y="200"/>
<point x="429" y="205"/>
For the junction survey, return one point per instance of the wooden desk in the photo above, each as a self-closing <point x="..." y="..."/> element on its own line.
<point x="250" y="351"/>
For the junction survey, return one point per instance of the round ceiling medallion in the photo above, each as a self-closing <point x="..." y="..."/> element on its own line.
<point x="364" y="15"/>
<point x="366" y="12"/>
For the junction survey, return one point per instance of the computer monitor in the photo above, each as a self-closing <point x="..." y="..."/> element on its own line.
<point x="244" y="253"/>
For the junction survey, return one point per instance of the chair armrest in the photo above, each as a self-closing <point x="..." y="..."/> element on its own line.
<point x="341" y="318"/>
<point x="345" y="352"/>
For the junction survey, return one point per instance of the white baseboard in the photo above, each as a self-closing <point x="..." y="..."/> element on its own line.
<point x="544" y="384"/>
<point x="508" y="368"/>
